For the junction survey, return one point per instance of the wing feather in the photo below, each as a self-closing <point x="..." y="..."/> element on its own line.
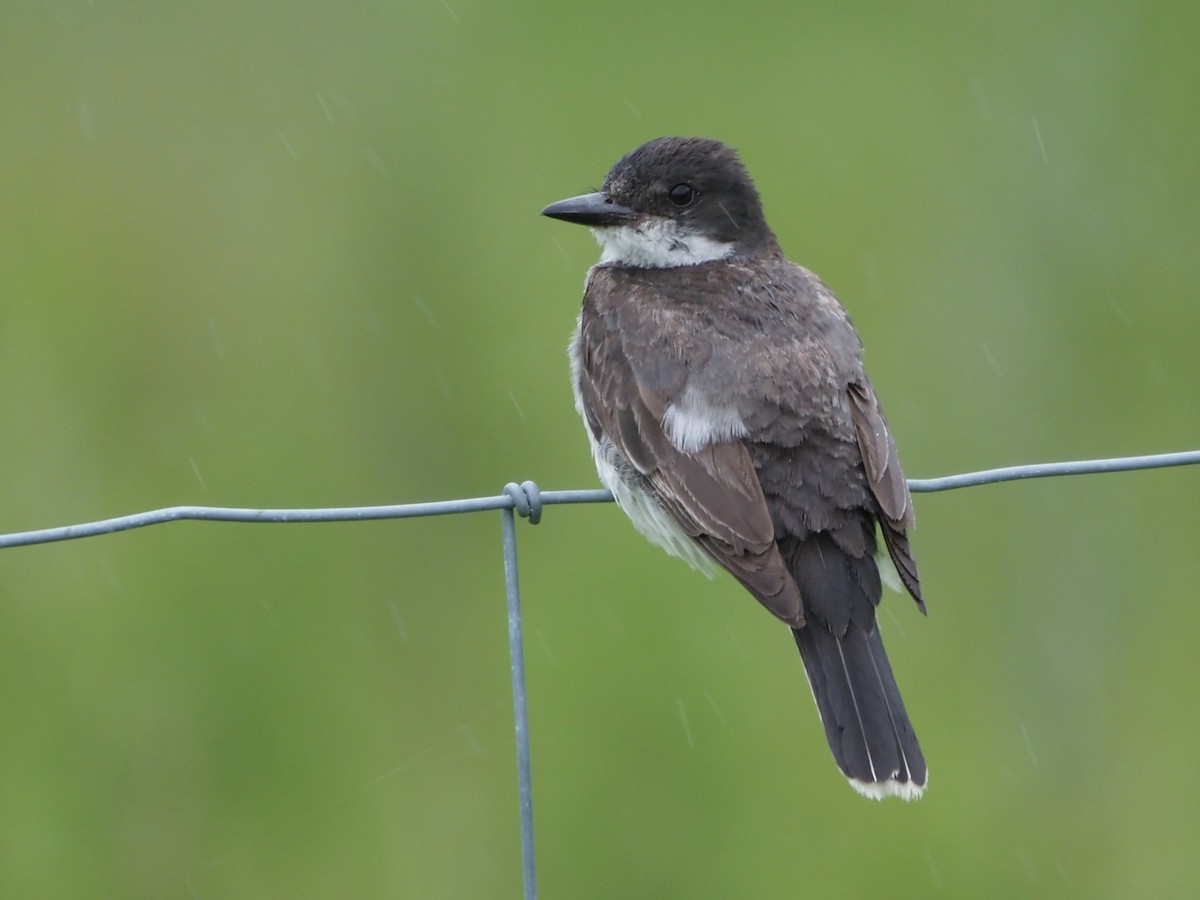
<point x="882" y="465"/>
<point x="713" y="494"/>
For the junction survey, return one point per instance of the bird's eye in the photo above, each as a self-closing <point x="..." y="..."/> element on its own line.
<point x="682" y="195"/>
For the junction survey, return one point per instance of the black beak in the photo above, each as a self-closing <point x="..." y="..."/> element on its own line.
<point x="596" y="210"/>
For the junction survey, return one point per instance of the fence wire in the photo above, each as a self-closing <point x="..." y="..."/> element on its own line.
<point x="527" y="501"/>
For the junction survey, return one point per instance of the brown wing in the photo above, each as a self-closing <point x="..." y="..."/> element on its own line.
<point x="882" y="465"/>
<point x="713" y="494"/>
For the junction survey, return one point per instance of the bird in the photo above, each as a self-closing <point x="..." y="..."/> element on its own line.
<point x="724" y="397"/>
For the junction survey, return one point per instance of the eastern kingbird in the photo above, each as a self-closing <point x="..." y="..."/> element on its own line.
<point x="723" y="391"/>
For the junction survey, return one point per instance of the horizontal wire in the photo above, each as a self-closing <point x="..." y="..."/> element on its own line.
<point x="1046" y="470"/>
<point x="511" y="499"/>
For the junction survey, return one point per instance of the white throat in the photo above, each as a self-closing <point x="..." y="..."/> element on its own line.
<point x="657" y="244"/>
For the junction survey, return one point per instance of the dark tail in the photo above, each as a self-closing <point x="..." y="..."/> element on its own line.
<point x="860" y="706"/>
<point x="851" y="680"/>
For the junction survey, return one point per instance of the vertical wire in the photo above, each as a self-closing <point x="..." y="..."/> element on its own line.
<point x="520" y="706"/>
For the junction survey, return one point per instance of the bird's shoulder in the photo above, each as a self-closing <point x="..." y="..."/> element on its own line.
<point x="764" y="326"/>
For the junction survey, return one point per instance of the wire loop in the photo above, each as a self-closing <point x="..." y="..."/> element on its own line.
<point x="527" y="500"/>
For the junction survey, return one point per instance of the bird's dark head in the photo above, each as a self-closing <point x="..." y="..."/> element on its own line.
<point x="673" y="202"/>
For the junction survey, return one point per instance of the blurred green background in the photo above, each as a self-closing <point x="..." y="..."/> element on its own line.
<point x="288" y="254"/>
